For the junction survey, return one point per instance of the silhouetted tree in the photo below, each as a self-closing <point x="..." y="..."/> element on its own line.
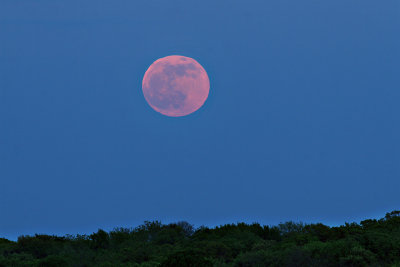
<point x="369" y="243"/>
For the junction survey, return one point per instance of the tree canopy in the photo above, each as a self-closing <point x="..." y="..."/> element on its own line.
<point x="368" y="243"/>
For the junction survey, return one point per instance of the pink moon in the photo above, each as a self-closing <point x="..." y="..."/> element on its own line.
<point x="175" y="85"/>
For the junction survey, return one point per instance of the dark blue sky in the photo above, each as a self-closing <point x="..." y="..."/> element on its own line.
<point x="302" y="121"/>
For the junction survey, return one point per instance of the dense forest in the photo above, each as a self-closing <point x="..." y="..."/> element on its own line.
<point x="369" y="243"/>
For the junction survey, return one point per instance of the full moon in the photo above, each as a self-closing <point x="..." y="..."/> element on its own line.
<point x="175" y="85"/>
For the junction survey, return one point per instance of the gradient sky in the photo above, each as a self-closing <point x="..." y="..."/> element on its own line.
<point x="302" y="121"/>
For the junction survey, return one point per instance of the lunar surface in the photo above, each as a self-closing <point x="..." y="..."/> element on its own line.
<point x="176" y="85"/>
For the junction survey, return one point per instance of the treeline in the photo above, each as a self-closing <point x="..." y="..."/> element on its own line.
<point x="370" y="243"/>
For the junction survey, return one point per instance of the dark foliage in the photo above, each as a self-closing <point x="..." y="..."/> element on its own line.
<point x="369" y="243"/>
